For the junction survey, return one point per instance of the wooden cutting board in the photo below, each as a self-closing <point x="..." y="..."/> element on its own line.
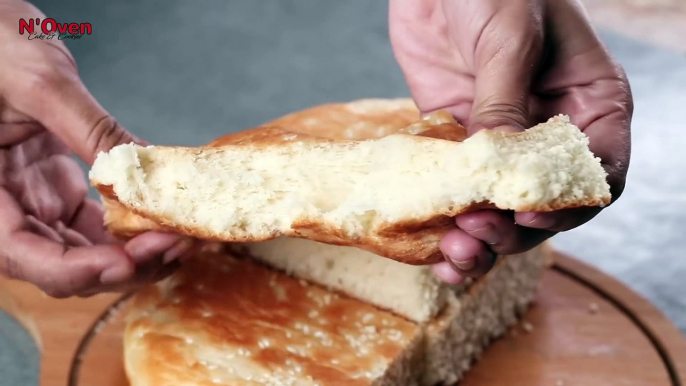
<point x="584" y="328"/>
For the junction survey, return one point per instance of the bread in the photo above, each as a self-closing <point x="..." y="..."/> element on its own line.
<point x="227" y="321"/>
<point x="410" y="291"/>
<point x="393" y="196"/>
<point x="471" y="321"/>
<point x="358" y="120"/>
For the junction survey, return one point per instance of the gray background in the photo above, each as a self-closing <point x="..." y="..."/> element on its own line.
<point x="182" y="72"/>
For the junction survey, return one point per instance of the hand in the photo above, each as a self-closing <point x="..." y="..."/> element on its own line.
<point x="51" y="233"/>
<point x="508" y="65"/>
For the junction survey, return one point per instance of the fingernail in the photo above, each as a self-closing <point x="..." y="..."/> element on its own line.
<point x="536" y="220"/>
<point x="178" y="250"/>
<point x="465" y="265"/>
<point x="116" y="274"/>
<point x="462" y="265"/>
<point x="525" y="218"/>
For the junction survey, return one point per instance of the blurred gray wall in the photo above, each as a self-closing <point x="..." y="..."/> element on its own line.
<point x="185" y="72"/>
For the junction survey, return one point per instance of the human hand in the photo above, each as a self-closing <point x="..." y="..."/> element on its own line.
<point x="508" y="65"/>
<point x="51" y="233"/>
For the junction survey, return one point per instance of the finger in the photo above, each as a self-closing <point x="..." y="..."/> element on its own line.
<point x="18" y="132"/>
<point x="468" y="256"/>
<point x="149" y="245"/>
<point x="507" y="47"/>
<point x="57" y="98"/>
<point x="60" y="271"/>
<point x="448" y="274"/>
<point x="500" y="232"/>
<point x="51" y="188"/>
<point x="558" y="221"/>
<point x="88" y="221"/>
<point x="58" y="232"/>
<point x="162" y="274"/>
<point x="71" y="237"/>
<point x="587" y="84"/>
<point x="38" y="227"/>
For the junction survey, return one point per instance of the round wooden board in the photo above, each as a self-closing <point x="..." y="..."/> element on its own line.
<point x="584" y="328"/>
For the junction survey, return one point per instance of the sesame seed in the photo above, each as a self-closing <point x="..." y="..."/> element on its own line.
<point x="593" y="308"/>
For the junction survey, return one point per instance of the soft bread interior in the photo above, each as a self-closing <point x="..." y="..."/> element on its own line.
<point x="411" y="291"/>
<point x="258" y="190"/>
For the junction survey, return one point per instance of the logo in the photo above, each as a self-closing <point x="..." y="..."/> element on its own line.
<point x="48" y="29"/>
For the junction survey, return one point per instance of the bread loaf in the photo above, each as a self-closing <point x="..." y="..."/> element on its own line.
<point x="394" y="196"/>
<point x="226" y="320"/>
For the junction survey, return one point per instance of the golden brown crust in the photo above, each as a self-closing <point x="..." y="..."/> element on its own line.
<point x="220" y="316"/>
<point x="123" y="222"/>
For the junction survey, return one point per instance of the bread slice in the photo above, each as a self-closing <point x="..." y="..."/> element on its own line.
<point x="227" y="321"/>
<point x="410" y="291"/>
<point x="393" y="196"/>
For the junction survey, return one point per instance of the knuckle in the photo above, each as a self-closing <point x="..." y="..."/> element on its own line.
<point x="45" y="82"/>
<point x="494" y="114"/>
<point x="107" y="133"/>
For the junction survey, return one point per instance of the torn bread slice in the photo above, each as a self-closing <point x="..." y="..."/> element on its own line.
<point x="226" y="321"/>
<point x="394" y="196"/>
<point x="359" y="120"/>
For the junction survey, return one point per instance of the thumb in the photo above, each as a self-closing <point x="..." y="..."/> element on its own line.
<point x="66" y="108"/>
<point x="507" y="56"/>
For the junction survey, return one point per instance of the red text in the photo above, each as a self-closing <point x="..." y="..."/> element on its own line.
<point x="49" y="25"/>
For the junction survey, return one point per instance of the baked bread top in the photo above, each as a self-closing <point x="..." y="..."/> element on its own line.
<point x="230" y="321"/>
